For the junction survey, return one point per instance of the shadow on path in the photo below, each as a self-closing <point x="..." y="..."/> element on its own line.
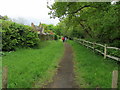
<point x="64" y="77"/>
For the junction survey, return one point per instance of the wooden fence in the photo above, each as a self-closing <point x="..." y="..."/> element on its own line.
<point x="93" y="45"/>
<point x="4" y="77"/>
<point x="115" y="79"/>
<point x="104" y="53"/>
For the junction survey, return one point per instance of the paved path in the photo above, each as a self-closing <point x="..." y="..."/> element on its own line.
<point x="64" y="77"/>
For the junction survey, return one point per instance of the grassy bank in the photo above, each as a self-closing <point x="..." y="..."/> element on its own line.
<point x="27" y="67"/>
<point x="0" y="72"/>
<point x="92" y="71"/>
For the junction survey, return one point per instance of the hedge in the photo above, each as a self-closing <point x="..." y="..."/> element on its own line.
<point x="17" y="35"/>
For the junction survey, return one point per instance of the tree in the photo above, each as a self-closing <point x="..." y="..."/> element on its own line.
<point x="94" y="21"/>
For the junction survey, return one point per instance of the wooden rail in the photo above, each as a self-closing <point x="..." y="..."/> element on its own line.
<point x="104" y="53"/>
<point x="86" y="43"/>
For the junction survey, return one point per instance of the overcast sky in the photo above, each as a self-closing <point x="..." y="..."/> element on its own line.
<point x="27" y="11"/>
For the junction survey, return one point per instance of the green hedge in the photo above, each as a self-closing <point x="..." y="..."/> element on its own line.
<point x="55" y="37"/>
<point x="17" y="35"/>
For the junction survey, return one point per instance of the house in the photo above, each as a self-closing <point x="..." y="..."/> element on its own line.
<point x="40" y="30"/>
<point x="1" y="17"/>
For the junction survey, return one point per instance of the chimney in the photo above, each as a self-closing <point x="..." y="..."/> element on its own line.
<point x="40" y="25"/>
<point x="32" y="25"/>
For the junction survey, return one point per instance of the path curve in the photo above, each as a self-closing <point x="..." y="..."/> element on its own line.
<point x="65" y="76"/>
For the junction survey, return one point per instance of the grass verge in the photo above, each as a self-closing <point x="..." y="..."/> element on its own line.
<point x="26" y="67"/>
<point x="91" y="70"/>
<point x="0" y="72"/>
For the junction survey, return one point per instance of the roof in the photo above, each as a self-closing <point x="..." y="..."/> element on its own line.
<point x="1" y="17"/>
<point x="38" y="28"/>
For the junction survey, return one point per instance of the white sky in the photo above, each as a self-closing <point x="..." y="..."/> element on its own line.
<point x="30" y="10"/>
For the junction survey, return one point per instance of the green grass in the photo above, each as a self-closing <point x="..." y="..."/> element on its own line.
<point x="91" y="70"/>
<point x="29" y="68"/>
<point x="119" y="76"/>
<point x="0" y="58"/>
<point x="0" y="72"/>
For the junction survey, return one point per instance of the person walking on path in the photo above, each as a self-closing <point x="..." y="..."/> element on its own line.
<point x="63" y="39"/>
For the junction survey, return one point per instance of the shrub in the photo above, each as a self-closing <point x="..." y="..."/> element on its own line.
<point x="55" y="37"/>
<point x="17" y="35"/>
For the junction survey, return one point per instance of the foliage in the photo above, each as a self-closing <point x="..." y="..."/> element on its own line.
<point x="113" y="52"/>
<point x="17" y="35"/>
<point x="51" y="27"/>
<point x="4" y="17"/>
<point x="30" y="68"/>
<point x="55" y="37"/>
<point x="91" y="70"/>
<point x="98" y="22"/>
<point x="0" y="72"/>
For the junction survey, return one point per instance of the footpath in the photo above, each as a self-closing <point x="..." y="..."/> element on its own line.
<point x="65" y="75"/>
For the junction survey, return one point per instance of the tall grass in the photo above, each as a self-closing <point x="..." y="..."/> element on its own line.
<point x="0" y="72"/>
<point x="91" y="70"/>
<point x="119" y="75"/>
<point x="29" y="68"/>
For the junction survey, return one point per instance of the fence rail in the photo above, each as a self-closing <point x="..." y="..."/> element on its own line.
<point x="86" y="43"/>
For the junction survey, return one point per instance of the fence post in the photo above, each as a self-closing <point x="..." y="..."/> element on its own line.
<point x="114" y="79"/>
<point x="87" y="44"/>
<point x="4" y="77"/>
<point x="105" y="51"/>
<point x="83" y="42"/>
